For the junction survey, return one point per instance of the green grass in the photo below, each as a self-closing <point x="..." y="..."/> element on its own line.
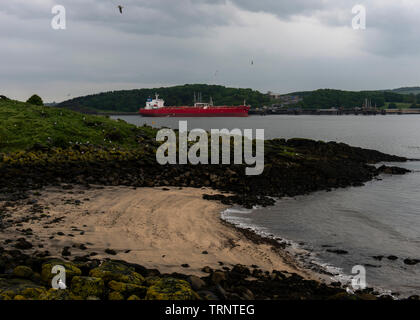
<point x="22" y="126"/>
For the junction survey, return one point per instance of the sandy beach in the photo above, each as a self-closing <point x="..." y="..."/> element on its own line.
<point x="162" y="228"/>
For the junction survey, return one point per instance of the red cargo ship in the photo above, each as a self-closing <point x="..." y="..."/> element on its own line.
<point x="156" y="108"/>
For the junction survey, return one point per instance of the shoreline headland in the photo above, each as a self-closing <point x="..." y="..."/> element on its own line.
<point x="105" y="210"/>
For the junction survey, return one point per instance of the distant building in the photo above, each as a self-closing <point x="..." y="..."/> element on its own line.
<point x="328" y="111"/>
<point x="284" y="101"/>
<point x="274" y="96"/>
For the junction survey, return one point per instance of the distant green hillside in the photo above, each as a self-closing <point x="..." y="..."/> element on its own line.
<point x="24" y="126"/>
<point x="132" y="100"/>
<point x="329" y="98"/>
<point x="407" y="90"/>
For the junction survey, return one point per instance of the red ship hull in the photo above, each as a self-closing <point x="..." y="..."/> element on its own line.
<point x="241" y="111"/>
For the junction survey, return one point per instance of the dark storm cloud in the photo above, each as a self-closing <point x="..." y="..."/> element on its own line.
<point x="294" y="43"/>
<point x="180" y="18"/>
<point x="388" y="20"/>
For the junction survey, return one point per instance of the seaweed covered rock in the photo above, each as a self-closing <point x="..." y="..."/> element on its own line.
<point x="71" y="270"/>
<point x="151" y="280"/>
<point x="115" y="296"/>
<point x="10" y="288"/>
<point x="171" y="289"/>
<point x="58" y="295"/>
<point x="128" y="289"/>
<point x="87" y="287"/>
<point x="342" y="296"/>
<point x="117" y="271"/>
<point x="23" y="272"/>
<point x="392" y="170"/>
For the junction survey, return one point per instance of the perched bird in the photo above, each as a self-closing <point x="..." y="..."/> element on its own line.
<point x="121" y="8"/>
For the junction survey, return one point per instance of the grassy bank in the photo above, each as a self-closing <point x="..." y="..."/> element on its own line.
<point x="24" y="126"/>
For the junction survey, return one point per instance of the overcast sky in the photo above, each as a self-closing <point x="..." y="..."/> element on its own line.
<point x="294" y="44"/>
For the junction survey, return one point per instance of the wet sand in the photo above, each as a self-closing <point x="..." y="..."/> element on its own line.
<point x="162" y="228"/>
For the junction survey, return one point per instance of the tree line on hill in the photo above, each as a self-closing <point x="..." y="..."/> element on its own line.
<point x="132" y="100"/>
<point x="329" y="98"/>
<point x="34" y="99"/>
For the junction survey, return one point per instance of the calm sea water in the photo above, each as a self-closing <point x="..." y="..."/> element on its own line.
<point x="381" y="218"/>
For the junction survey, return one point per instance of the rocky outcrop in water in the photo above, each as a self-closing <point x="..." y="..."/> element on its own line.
<point x="292" y="167"/>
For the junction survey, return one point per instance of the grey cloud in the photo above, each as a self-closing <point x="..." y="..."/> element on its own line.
<point x="283" y="9"/>
<point x="392" y="26"/>
<point x="165" y="42"/>
<point x="179" y="18"/>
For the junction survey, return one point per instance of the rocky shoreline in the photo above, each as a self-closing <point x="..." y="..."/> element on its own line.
<point x="92" y="279"/>
<point x="293" y="167"/>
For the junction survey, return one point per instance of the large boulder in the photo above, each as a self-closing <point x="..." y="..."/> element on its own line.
<point x="112" y="270"/>
<point x="150" y="281"/>
<point x="218" y="277"/>
<point x="171" y="289"/>
<point x="128" y="289"/>
<point x="411" y="262"/>
<point x="196" y="283"/>
<point x="393" y="170"/>
<point x="58" y="295"/>
<point x="115" y="296"/>
<point x="87" y="287"/>
<point x="23" y="272"/>
<point x="22" y="244"/>
<point x="10" y="288"/>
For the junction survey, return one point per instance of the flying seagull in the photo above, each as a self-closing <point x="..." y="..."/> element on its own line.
<point x="121" y="8"/>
